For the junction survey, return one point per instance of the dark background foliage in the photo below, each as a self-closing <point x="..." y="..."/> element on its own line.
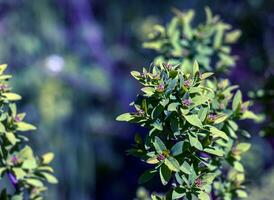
<point x="71" y="61"/>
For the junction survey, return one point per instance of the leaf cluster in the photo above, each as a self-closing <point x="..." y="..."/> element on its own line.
<point x="208" y="42"/>
<point x="18" y="163"/>
<point x="192" y="143"/>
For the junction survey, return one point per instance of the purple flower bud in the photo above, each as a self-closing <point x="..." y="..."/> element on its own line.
<point x="169" y="66"/>
<point x="199" y="182"/>
<point x="3" y="86"/>
<point x="211" y="117"/>
<point x="17" y="118"/>
<point x="187" y="83"/>
<point x="140" y="113"/>
<point x="160" y="87"/>
<point x="161" y="157"/>
<point x="187" y="102"/>
<point x="244" y="108"/>
<point x="14" y="160"/>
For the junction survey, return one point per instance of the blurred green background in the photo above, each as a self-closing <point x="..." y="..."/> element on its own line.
<point x="71" y="61"/>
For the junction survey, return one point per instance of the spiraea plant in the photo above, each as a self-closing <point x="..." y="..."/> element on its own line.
<point x="22" y="173"/>
<point x="207" y="42"/>
<point x="193" y="140"/>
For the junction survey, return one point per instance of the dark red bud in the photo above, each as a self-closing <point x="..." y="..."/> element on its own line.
<point x="199" y="182"/>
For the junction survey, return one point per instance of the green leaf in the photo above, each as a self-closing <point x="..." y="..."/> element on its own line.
<point x="156" y="197"/>
<point x="206" y="75"/>
<point x="18" y="197"/>
<point x="2" y="128"/>
<point x="216" y="133"/>
<point x="241" y="193"/>
<point x="26" y="153"/>
<point x="218" y="39"/>
<point x="3" y="67"/>
<point x="216" y="152"/>
<point x="50" y="178"/>
<point x="149" y="91"/>
<point x="172" y="164"/>
<point x="203" y="195"/>
<point x="208" y="15"/>
<point x="135" y="74"/>
<point x="5" y="77"/>
<point x="186" y="168"/>
<point x="237" y="100"/>
<point x="45" y="168"/>
<point x="23" y="126"/>
<point x="250" y="115"/>
<point x="19" y="173"/>
<point x="195" y="67"/>
<point x="202" y="113"/>
<point x="232" y="36"/>
<point x="12" y="96"/>
<point x="34" y="182"/>
<point x="153" y="160"/>
<point x="194" y="120"/>
<point x="165" y="174"/>
<point x="243" y="147"/>
<point x="47" y="158"/>
<point x="233" y="125"/>
<point x="159" y="145"/>
<point x="209" y="177"/>
<point x="220" y="119"/>
<point x="194" y="142"/>
<point x="172" y="107"/>
<point x="125" y="117"/>
<point x="238" y="166"/>
<point x="177" y="149"/>
<point x="178" y="193"/>
<point x="147" y="176"/>
<point x="199" y="100"/>
<point x="29" y="164"/>
<point x="158" y="125"/>
<point x="11" y="138"/>
<point x="187" y="18"/>
<point x="173" y="73"/>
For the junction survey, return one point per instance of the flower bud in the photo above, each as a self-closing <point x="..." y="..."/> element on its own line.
<point x="169" y="66"/>
<point x="161" y="157"/>
<point x="187" y="102"/>
<point x="187" y="83"/>
<point x="140" y="113"/>
<point x="17" y="118"/>
<point x="160" y="87"/>
<point x="199" y="182"/>
<point x="14" y="160"/>
<point x="3" y="87"/>
<point x="211" y="118"/>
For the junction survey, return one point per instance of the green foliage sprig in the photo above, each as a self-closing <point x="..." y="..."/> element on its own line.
<point x="208" y="42"/>
<point x="19" y="166"/>
<point x="193" y="140"/>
